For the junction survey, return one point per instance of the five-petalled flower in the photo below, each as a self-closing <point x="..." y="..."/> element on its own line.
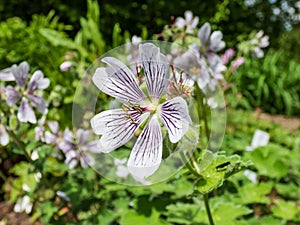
<point x="140" y="113"/>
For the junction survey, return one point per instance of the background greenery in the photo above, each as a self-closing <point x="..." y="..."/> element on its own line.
<point x="46" y="33"/>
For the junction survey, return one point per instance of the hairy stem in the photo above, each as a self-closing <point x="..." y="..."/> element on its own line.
<point x="208" y="212"/>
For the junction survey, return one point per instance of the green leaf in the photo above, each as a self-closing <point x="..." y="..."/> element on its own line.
<point x="132" y="217"/>
<point x="216" y="168"/>
<point x="265" y="220"/>
<point x="286" y="209"/>
<point x="57" y="38"/>
<point x="289" y="190"/>
<point x="270" y="160"/>
<point x="182" y="188"/>
<point x="226" y="213"/>
<point x="182" y="213"/>
<point x="255" y="193"/>
<point x="53" y="166"/>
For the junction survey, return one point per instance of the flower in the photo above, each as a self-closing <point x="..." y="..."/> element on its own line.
<point x="69" y="148"/>
<point x="229" y="53"/>
<point x="4" y="138"/>
<point x="27" y="95"/>
<point x="6" y="75"/>
<point x="211" y="42"/>
<point x="65" y="66"/>
<point x="139" y="111"/>
<point x="202" y="61"/>
<point x="23" y="204"/>
<point x="237" y="62"/>
<point x="189" y="23"/>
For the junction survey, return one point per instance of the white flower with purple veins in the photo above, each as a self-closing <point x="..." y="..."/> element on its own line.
<point x="139" y="111"/>
<point x="258" y="42"/>
<point x="6" y="75"/>
<point x="70" y="148"/>
<point x="27" y="95"/>
<point x="189" y="23"/>
<point x="4" y="138"/>
<point x="212" y="42"/>
<point x="204" y="73"/>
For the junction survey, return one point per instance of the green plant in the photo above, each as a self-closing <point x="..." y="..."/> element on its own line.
<point x="269" y="83"/>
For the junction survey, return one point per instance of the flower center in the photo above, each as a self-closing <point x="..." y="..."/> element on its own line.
<point x="152" y="108"/>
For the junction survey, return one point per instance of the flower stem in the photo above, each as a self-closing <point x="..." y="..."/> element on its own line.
<point x="209" y="215"/>
<point x="188" y="165"/>
<point x="19" y="144"/>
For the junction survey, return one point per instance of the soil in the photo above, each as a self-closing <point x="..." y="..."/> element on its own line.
<point x="9" y="217"/>
<point x="290" y="123"/>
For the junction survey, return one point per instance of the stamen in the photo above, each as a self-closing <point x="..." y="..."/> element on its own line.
<point x="129" y="117"/>
<point x="125" y="108"/>
<point x="130" y="109"/>
<point x="138" y="109"/>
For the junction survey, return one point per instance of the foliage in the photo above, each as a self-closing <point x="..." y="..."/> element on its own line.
<point x="269" y="83"/>
<point x="20" y="42"/>
<point x="64" y="194"/>
<point x="289" y="44"/>
<point x="232" y="17"/>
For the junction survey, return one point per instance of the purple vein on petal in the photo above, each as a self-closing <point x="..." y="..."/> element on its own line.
<point x="118" y="81"/>
<point x="174" y="115"/>
<point x="147" y="151"/>
<point x="115" y="128"/>
<point x="156" y="69"/>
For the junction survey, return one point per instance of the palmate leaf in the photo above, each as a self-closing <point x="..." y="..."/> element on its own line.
<point x="215" y="168"/>
<point x="132" y="217"/>
<point x="287" y="210"/>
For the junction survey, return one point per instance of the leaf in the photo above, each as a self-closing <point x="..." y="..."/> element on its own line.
<point x="286" y="209"/>
<point x="255" y="193"/>
<point x="270" y="160"/>
<point x="182" y="188"/>
<point x="132" y="217"/>
<point x="265" y="220"/>
<point x="227" y="212"/>
<point x="182" y="213"/>
<point x="289" y="190"/>
<point x="216" y="168"/>
<point x="57" y="38"/>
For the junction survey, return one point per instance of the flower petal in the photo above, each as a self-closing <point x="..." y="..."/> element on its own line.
<point x="6" y="75"/>
<point x="146" y="154"/>
<point x="38" y="102"/>
<point x="12" y="95"/>
<point x="195" y="22"/>
<point x="216" y="43"/>
<point x="118" y="81"/>
<point x="50" y="138"/>
<point x="25" y="112"/>
<point x="156" y="69"/>
<point x="86" y="160"/>
<point x="82" y="136"/>
<point x="4" y="138"/>
<point x="188" y="16"/>
<point x="68" y="142"/>
<point x="20" y="73"/>
<point x="54" y="127"/>
<point x="175" y="116"/>
<point x="204" y="33"/>
<point x="180" y="22"/>
<point x="38" y="82"/>
<point x="115" y="127"/>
